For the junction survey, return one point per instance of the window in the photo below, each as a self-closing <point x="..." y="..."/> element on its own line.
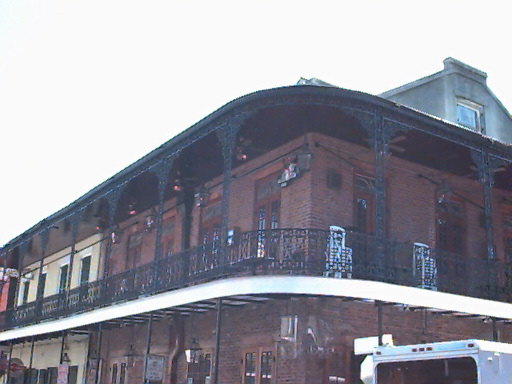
<point x="52" y="375"/>
<point x="470" y="115"/>
<point x="267" y="213"/>
<point x="122" y="374"/>
<point x="85" y="270"/>
<point x="199" y="371"/>
<point x="63" y="277"/>
<point x="26" y="290"/>
<point x="41" y="284"/>
<point x="134" y="250"/>
<point x="364" y="203"/>
<point x="451" y="232"/>
<point x="167" y="236"/>
<point x="114" y="374"/>
<point x="210" y="235"/>
<point x="258" y="367"/>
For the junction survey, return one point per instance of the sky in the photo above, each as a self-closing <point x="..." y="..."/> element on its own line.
<point x="88" y="87"/>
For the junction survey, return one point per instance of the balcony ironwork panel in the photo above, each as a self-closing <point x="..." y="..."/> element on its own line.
<point x="304" y="252"/>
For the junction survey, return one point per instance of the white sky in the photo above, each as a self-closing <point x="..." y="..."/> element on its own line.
<point x="88" y="87"/>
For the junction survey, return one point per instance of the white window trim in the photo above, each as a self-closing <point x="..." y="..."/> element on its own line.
<point x="479" y="109"/>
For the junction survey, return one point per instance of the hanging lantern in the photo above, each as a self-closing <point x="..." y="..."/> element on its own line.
<point x="178" y="187"/>
<point x="131" y="209"/>
<point x="65" y="358"/>
<point x="240" y="154"/>
<point x="101" y="224"/>
<point x="129" y="356"/>
<point x="202" y="196"/>
<point x="150" y="221"/>
<point x="304" y="159"/>
<point x="116" y="235"/>
<point x="193" y="352"/>
<point x="443" y="192"/>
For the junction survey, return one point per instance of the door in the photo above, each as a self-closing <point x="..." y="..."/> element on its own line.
<point x="451" y="246"/>
<point x="41" y="283"/>
<point x="210" y="235"/>
<point x="364" y="204"/>
<point x="267" y="210"/>
<point x="258" y="366"/>
<point x="364" y="246"/>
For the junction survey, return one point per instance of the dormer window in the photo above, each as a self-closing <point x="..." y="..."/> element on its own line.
<point x="470" y="115"/>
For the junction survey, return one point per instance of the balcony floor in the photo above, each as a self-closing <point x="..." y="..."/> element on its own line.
<point x="242" y="290"/>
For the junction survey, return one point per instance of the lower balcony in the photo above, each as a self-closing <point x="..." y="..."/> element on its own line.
<point x="334" y="253"/>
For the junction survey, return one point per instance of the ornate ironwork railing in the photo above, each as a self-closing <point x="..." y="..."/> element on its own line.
<point x="310" y="252"/>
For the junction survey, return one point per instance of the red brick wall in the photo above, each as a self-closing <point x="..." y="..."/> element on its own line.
<point x="334" y="322"/>
<point x="308" y="202"/>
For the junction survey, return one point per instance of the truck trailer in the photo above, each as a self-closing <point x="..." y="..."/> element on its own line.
<point x="451" y="362"/>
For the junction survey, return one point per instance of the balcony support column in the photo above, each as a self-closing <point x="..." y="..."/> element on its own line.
<point x="28" y="378"/>
<point x="148" y="348"/>
<point x="7" y="377"/>
<point x="495" y="335"/>
<point x="163" y="177"/>
<point x="380" y="147"/>
<point x="23" y="251"/>
<point x="98" y="354"/>
<point x="62" y="344"/>
<point x="227" y="136"/>
<point x="215" y="373"/>
<point x="40" y="287"/>
<point x="380" y="132"/>
<point x="112" y="208"/>
<point x="380" y="331"/>
<point x="75" y="220"/>
<point x="487" y="165"/>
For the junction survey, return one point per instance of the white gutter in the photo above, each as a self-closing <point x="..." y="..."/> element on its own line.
<point x="298" y="285"/>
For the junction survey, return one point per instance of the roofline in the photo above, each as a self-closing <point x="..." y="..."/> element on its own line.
<point x="412" y="84"/>
<point x="445" y="72"/>
<point x="365" y="290"/>
<point x="238" y="107"/>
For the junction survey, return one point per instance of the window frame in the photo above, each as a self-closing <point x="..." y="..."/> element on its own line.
<point x="63" y="278"/>
<point x="25" y="291"/>
<point x="259" y="353"/>
<point x="81" y="280"/>
<point x="363" y="185"/>
<point x="473" y="107"/>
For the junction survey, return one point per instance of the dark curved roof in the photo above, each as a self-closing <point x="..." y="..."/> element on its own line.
<point x="298" y="94"/>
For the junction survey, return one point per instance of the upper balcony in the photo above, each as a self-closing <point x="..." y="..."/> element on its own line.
<point x="298" y="157"/>
<point x="334" y="253"/>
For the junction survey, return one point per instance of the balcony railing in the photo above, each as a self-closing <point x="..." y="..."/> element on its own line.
<point x="309" y="252"/>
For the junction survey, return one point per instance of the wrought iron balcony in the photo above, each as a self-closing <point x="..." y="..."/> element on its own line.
<point x="310" y="252"/>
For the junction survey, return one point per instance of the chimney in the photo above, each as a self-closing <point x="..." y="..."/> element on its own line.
<point x="452" y="65"/>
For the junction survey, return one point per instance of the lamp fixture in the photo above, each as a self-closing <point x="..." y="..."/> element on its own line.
<point x="240" y="154"/>
<point x="129" y="356"/>
<point x="202" y="196"/>
<point x="150" y="221"/>
<point x="443" y="192"/>
<point x="101" y="224"/>
<point x="131" y="209"/>
<point x="116" y="235"/>
<point x="304" y="158"/>
<point x="178" y="187"/>
<point x="65" y="358"/>
<point x="193" y="352"/>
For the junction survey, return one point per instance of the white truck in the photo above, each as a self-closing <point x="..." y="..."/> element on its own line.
<point x="451" y="362"/>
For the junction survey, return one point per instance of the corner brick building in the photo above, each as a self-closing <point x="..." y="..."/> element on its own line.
<point x="255" y="246"/>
